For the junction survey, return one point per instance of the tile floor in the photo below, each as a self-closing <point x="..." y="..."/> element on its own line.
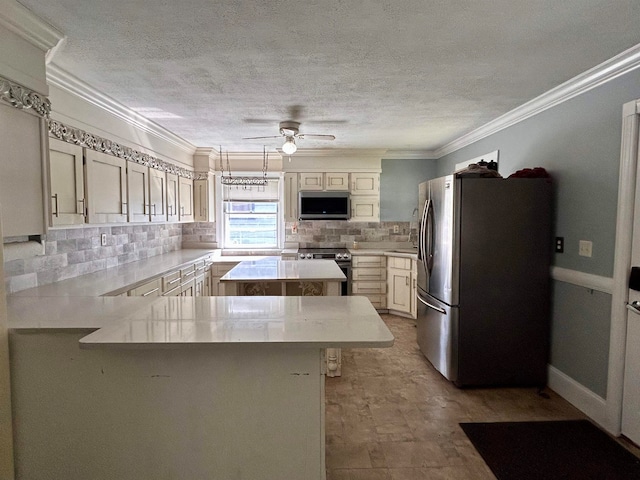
<point x="391" y="416"/>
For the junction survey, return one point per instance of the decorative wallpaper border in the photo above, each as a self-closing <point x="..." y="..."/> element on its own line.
<point x="23" y="98"/>
<point x="79" y="137"/>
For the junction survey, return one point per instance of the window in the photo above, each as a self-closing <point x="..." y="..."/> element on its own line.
<point x="251" y="216"/>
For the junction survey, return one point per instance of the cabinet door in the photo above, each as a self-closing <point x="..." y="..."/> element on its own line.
<point x="290" y="197"/>
<point x="185" y="199"/>
<point x="204" y="210"/>
<point x="365" y="183"/>
<point x="157" y="195"/>
<point x="365" y="208"/>
<point x="336" y="181"/>
<point x="138" y="192"/>
<point x="66" y="175"/>
<point x="22" y="137"/>
<point x="107" y="188"/>
<point x="399" y="290"/>
<point x="172" y="197"/>
<point x="311" y="181"/>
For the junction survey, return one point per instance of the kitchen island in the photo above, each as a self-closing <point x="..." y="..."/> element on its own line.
<point x="207" y="387"/>
<point x="272" y="276"/>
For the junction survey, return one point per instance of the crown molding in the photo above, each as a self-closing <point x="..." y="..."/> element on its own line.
<point x="21" y="21"/>
<point x="592" y="78"/>
<point x="64" y="80"/>
<point x="392" y="154"/>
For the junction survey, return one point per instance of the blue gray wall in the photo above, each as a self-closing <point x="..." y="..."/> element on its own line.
<point x="399" y="187"/>
<point x="578" y="142"/>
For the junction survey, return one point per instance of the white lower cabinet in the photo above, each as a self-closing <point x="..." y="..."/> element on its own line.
<point x="218" y="270"/>
<point x="401" y="283"/>
<point x="369" y="278"/>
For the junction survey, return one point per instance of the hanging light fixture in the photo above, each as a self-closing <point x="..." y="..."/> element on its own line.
<point x="289" y="146"/>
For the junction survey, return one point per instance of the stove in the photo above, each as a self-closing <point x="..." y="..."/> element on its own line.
<point x="337" y="254"/>
<point x="340" y="255"/>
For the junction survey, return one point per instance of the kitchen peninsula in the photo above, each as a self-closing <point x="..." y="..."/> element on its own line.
<point x="131" y="387"/>
<point x="177" y="387"/>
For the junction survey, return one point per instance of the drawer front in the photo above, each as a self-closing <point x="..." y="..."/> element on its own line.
<point x="379" y="261"/>
<point x="379" y="302"/>
<point x="187" y="273"/>
<point x="370" y="274"/>
<point x="170" y="281"/>
<point x="148" y="289"/>
<point x="402" y="263"/>
<point x="369" y="287"/>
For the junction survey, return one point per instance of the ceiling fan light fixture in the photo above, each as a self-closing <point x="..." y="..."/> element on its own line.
<point x="289" y="146"/>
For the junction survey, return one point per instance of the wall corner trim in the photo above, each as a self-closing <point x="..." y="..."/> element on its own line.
<point x="592" y="78"/>
<point x="582" y="279"/>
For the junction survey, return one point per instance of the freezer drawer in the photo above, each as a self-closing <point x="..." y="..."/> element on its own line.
<point x="437" y="325"/>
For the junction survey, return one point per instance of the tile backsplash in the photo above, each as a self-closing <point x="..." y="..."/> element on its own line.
<point x="341" y="233"/>
<point x="73" y="252"/>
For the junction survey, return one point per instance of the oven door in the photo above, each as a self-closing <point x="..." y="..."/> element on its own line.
<point x="346" y="285"/>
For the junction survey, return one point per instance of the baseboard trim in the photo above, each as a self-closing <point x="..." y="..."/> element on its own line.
<point x="594" y="406"/>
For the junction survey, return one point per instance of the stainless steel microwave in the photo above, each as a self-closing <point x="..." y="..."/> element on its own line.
<point x="324" y="205"/>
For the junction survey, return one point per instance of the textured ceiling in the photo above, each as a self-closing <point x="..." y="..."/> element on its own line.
<point x="397" y="74"/>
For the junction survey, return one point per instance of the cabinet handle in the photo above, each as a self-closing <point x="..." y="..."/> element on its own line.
<point x="188" y="274"/>
<point x="174" y="281"/>
<point x="123" y="208"/>
<point x="169" y="209"/>
<point x="154" y="209"/>
<point x="182" y="211"/>
<point x="82" y="202"/>
<point x="406" y="281"/>
<point x="55" y="201"/>
<point x="150" y="292"/>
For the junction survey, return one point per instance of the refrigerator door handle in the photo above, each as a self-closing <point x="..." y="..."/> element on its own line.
<point x="430" y="230"/>
<point x="422" y="254"/>
<point x="437" y="309"/>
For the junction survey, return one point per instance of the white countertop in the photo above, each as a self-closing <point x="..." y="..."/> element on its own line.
<point x="297" y="321"/>
<point x="274" y="269"/>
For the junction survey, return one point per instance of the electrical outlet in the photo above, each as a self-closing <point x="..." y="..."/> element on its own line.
<point x="103" y="239"/>
<point x="559" y="244"/>
<point x="396" y="229"/>
<point x="294" y="228"/>
<point x="585" y="247"/>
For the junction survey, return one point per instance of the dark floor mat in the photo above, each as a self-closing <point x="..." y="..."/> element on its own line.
<point x="574" y="449"/>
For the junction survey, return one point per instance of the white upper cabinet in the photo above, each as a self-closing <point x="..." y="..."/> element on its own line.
<point x="172" y="197"/>
<point x="185" y="199"/>
<point x="138" y="192"/>
<point x="365" y="184"/>
<point x="106" y="188"/>
<point x="365" y="208"/>
<point x="157" y="195"/>
<point x="66" y="176"/>
<point x="204" y="207"/>
<point x="290" y="197"/>
<point x="311" y="181"/>
<point x="330" y="181"/>
<point x="22" y="136"/>
<point x="336" y="181"/>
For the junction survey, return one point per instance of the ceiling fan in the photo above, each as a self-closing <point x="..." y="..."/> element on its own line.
<point x="290" y="130"/>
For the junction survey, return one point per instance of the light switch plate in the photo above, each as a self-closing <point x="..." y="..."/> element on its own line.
<point x="585" y="248"/>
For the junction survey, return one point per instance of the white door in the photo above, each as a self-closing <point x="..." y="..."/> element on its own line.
<point x="631" y="395"/>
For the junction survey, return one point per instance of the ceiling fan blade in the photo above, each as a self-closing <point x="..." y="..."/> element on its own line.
<point x="317" y="137"/>
<point x="262" y="138"/>
<point x="260" y="121"/>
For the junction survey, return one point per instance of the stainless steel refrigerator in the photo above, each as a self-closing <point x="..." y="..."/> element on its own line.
<point x="484" y="252"/>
